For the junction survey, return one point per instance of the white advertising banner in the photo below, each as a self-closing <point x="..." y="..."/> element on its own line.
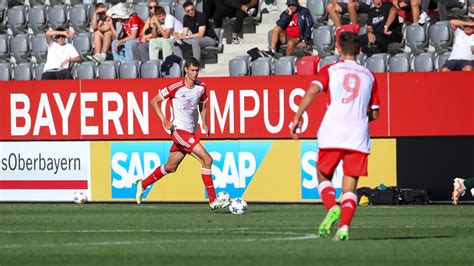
<point x="44" y="171"/>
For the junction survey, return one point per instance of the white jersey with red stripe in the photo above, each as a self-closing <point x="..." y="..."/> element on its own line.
<point x="185" y="104"/>
<point x="352" y="90"/>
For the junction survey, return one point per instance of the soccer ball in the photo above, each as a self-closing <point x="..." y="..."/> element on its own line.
<point x="79" y="197"/>
<point x="238" y="206"/>
<point x="223" y="196"/>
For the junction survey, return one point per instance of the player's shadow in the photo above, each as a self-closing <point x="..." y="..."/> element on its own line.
<point x="400" y="238"/>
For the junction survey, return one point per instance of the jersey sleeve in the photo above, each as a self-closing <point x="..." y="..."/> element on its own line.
<point x="166" y="93"/>
<point x="134" y="23"/>
<point x="204" y="96"/>
<point x="322" y="79"/>
<point x="374" y="102"/>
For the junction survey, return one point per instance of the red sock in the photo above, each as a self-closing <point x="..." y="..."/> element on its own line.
<point x="328" y="194"/>
<point x="208" y="184"/>
<point x="155" y="176"/>
<point x="348" y="206"/>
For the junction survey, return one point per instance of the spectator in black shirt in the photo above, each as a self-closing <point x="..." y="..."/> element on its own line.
<point x="383" y="28"/>
<point x="234" y="8"/>
<point x="197" y="32"/>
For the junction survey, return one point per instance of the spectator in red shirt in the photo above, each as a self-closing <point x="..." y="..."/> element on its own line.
<point x="122" y="47"/>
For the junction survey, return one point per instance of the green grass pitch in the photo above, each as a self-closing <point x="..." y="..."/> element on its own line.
<point x="191" y="234"/>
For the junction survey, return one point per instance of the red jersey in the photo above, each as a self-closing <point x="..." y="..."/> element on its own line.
<point x="293" y="29"/>
<point x="134" y="23"/>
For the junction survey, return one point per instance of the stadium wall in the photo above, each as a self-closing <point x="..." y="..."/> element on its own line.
<point x="109" y="127"/>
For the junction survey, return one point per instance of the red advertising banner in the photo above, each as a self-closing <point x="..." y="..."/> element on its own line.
<point x="412" y="104"/>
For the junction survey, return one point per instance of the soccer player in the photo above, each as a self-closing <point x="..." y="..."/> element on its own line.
<point x="344" y="131"/>
<point x="188" y="98"/>
<point x="460" y="187"/>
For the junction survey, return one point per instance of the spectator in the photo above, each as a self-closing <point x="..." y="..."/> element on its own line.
<point x="294" y="27"/>
<point x="234" y="8"/>
<point x="103" y="34"/>
<point x="383" y="28"/>
<point x="122" y="46"/>
<point x="352" y="7"/>
<point x="60" y="54"/>
<point x="140" y="49"/>
<point x="444" y="5"/>
<point x="418" y="8"/>
<point x="201" y="32"/>
<point x="462" y="55"/>
<point x="162" y="34"/>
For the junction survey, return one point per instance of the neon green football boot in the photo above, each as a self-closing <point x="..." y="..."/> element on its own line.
<point x="331" y="217"/>
<point x="217" y="204"/>
<point x="342" y="234"/>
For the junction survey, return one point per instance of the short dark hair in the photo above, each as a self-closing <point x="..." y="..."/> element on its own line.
<point x="188" y="3"/>
<point x="192" y="62"/>
<point x="160" y="10"/>
<point x="99" y="5"/>
<point x="349" y="43"/>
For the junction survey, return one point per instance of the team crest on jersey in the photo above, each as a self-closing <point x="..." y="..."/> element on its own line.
<point x="191" y="140"/>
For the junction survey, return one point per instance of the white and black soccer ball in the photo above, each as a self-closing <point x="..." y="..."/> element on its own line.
<point x="223" y="196"/>
<point x="238" y="206"/>
<point x="79" y="197"/>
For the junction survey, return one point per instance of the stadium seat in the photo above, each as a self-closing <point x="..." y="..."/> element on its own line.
<point x="209" y="53"/>
<point x="17" y="21"/>
<point x="168" y="6"/>
<point x="247" y="58"/>
<point x="79" y="18"/>
<point x="361" y="58"/>
<point x="362" y="30"/>
<point x="324" y="40"/>
<point x="375" y="64"/>
<point x="3" y="15"/>
<point x="5" y="71"/>
<point x="424" y="62"/>
<point x="175" y="72"/>
<point x="150" y="69"/>
<point x="23" y="71"/>
<point x="441" y="60"/>
<point x="307" y="65"/>
<point x="179" y="12"/>
<point x="329" y="60"/>
<point x="285" y="65"/>
<point x="4" y="46"/>
<point x="108" y="70"/>
<point x="39" y="47"/>
<point x="261" y="68"/>
<point x="398" y="47"/>
<point x="129" y="70"/>
<point x="416" y="39"/>
<point x="39" y="71"/>
<point x="142" y="10"/>
<point x="238" y="67"/>
<point x="318" y="11"/>
<point x="86" y="70"/>
<point x="57" y="16"/>
<point x="83" y="44"/>
<point x="441" y="36"/>
<point x="20" y="47"/>
<point x="37" y="19"/>
<point x="400" y="63"/>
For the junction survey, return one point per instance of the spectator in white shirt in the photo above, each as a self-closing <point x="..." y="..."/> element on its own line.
<point x="462" y="55"/>
<point x="60" y="54"/>
<point x="162" y="30"/>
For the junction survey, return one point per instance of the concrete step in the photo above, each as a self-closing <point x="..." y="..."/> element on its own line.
<point x="216" y="70"/>
<point x="265" y="28"/>
<point x="242" y="48"/>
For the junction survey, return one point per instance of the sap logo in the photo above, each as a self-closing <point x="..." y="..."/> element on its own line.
<point x="309" y="177"/>
<point x="133" y="161"/>
<point x="235" y="164"/>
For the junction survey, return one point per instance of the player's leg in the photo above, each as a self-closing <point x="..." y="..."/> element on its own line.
<point x="175" y="158"/>
<point x="460" y="187"/>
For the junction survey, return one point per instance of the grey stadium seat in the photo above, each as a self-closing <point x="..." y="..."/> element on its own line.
<point x="285" y="65"/>
<point x="179" y="12"/>
<point x="361" y="58"/>
<point x="57" y="16"/>
<point x="108" y="70"/>
<point x="174" y="72"/>
<point x="400" y="63"/>
<point x="5" y="71"/>
<point x="248" y="59"/>
<point x="261" y="68"/>
<point x="37" y="19"/>
<point x="83" y="43"/>
<point x="416" y="39"/>
<point x="441" y="60"/>
<point x="150" y="69"/>
<point x="324" y="40"/>
<point x="142" y="10"/>
<point x="79" y="18"/>
<point x="39" y="71"/>
<point x="329" y="60"/>
<point x="209" y="53"/>
<point x="86" y="70"/>
<point x="424" y="62"/>
<point x="4" y="46"/>
<point x="20" y="47"/>
<point x="375" y="64"/>
<point x="129" y="70"/>
<point x="3" y="15"/>
<point x="318" y="11"/>
<point x="23" y="71"/>
<point x="17" y="21"/>
<point x="39" y="47"/>
<point x="441" y="36"/>
<point x="238" y="67"/>
<point x="168" y="6"/>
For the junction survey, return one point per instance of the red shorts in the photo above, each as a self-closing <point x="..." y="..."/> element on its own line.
<point x="354" y="162"/>
<point x="183" y="141"/>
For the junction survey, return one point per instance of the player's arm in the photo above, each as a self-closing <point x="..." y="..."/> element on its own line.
<point x="308" y="97"/>
<point x="373" y="114"/>
<point x="374" y="104"/>
<point x="156" y="105"/>
<point x="203" y="111"/>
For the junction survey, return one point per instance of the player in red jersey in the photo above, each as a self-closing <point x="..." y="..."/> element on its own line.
<point x="188" y="100"/>
<point x="344" y="131"/>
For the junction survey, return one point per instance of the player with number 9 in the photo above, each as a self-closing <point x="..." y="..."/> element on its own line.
<point x="344" y="131"/>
